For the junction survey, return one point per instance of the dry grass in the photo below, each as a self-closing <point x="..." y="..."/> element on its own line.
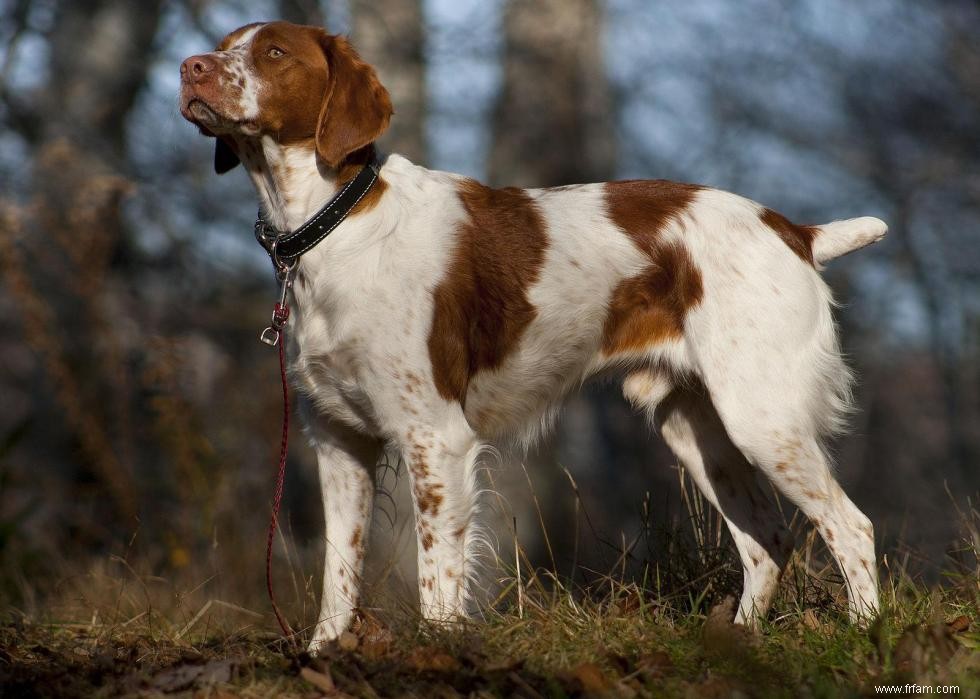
<point x="638" y="630"/>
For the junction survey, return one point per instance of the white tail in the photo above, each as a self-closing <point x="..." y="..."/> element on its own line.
<point x="841" y="237"/>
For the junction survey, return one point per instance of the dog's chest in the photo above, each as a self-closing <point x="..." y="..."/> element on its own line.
<point x="352" y="337"/>
<point x="332" y="360"/>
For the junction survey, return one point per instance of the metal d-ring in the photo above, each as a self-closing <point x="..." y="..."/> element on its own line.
<point x="283" y="270"/>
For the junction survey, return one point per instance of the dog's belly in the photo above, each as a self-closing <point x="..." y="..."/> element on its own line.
<point x="555" y="355"/>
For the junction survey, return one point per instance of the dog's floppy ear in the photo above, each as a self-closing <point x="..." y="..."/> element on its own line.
<point x="356" y="108"/>
<point x="224" y="157"/>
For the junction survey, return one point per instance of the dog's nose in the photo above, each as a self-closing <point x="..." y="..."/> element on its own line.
<point x="196" y="68"/>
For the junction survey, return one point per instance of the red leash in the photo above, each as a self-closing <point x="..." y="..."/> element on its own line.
<point x="279" y="317"/>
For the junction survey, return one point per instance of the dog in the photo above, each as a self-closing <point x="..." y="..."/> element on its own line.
<point x="442" y="315"/>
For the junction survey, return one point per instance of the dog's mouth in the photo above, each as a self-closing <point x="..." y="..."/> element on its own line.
<point x="212" y="122"/>
<point x="203" y="113"/>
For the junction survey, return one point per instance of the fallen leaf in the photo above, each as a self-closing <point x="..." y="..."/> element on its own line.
<point x="215" y="694"/>
<point x="347" y="641"/>
<point x="924" y="649"/>
<point x="321" y="680"/>
<point x="187" y="676"/>
<point x="811" y="621"/>
<point x="591" y="677"/>
<point x="627" y="604"/>
<point x="723" y="638"/>
<point x="374" y="637"/>
<point x="655" y="664"/>
<point x="714" y="688"/>
<point x="428" y="659"/>
<point x="959" y="624"/>
<point x="374" y="650"/>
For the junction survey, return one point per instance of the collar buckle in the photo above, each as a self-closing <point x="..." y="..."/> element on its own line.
<point x="264" y="233"/>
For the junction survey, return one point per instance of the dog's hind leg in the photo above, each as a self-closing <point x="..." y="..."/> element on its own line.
<point x="778" y="396"/>
<point x="795" y="462"/>
<point x="691" y="427"/>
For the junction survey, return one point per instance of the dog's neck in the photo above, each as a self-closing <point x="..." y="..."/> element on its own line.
<point x="292" y="183"/>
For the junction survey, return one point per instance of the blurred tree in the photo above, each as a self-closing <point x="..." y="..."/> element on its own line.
<point x="302" y="12"/>
<point x="389" y="35"/>
<point x="553" y="121"/>
<point x="74" y="124"/>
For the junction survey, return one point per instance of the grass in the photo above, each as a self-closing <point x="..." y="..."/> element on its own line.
<point x="643" y="630"/>
<point x="623" y="644"/>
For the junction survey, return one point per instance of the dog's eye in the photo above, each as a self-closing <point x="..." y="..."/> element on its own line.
<point x="275" y="52"/>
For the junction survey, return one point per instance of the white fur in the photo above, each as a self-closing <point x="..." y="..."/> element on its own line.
<point x="841" y="237"/>
<point x="746" y="395"/>
<point x="238" y="65"/>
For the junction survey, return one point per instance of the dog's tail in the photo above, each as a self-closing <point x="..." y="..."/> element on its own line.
<point x="841" y="237"/>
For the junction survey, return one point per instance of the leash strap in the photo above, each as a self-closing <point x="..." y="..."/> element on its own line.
<point x="285" y="250"/>
<point x="280" y="482"/>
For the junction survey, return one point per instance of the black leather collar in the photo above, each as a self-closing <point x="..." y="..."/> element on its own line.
<point x="285" y="248"/>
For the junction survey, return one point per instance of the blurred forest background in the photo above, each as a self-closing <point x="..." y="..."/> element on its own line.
<point x="140" y="414"/>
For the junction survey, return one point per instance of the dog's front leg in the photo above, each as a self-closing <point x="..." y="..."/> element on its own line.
<point x="441" y="469"/>
<point x="346" y="462"/>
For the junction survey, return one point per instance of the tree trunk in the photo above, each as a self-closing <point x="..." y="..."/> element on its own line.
<point x="302" y="12"/>
<point x="100" y="54"/>
<point x="388" y="34"/>
<point x="552" y="124"/>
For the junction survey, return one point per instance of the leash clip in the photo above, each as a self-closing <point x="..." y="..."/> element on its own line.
<point x="280" y="313"/>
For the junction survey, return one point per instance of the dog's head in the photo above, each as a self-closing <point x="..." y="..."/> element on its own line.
<point x="293" y="83"/>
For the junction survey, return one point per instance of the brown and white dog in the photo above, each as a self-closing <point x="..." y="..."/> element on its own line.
<point x="443" y="315"/>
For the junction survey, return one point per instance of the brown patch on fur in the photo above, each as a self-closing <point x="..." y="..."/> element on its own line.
<point x="643" y="207"/>
<point x="650" y="307"/>
<point x="799" y="239"/>
<point x="429" y="499"/>
<point x="355" y="538"/>
<point x="426" y="540"/>
<point x="412" y="382"/>
<point x="418" y="464"/>
<point x="358" y="107"/>
<point x="481" y="307"/>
